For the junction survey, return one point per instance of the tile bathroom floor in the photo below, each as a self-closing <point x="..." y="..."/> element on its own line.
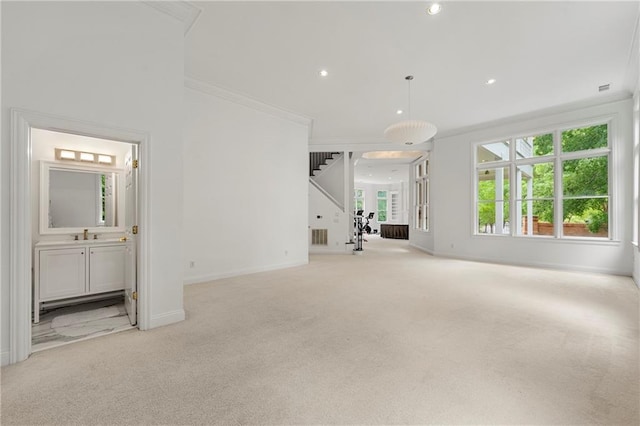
<point x="78" y="322"/>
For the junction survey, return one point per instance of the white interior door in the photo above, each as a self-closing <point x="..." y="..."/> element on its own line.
<point x="130" y="221"/>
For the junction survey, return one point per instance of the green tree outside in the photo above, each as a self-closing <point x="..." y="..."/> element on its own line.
<point x="586" y="178"/>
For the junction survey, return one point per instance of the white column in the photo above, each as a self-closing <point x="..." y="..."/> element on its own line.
<point x="499" y="200"/>
<point x="516" y="216"/>
<point x="530" y="206"/>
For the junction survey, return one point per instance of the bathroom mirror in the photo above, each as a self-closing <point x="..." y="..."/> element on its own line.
<point x="77" y="197"/>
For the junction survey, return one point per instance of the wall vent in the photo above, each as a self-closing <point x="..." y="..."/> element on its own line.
<point x="319" y="237"/>
<point x="604" y="87"/>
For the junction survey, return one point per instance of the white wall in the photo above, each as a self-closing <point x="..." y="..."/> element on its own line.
<point x="245" y="189"/>
<point x="118" y="64"/>
<point x="452" y="200"/>
<point x="324" y="214"/>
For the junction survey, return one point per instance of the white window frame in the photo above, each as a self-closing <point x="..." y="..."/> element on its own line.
<point x="635" y="236"/>
<point x="557" y="158"/>
<point x="386" y="197"/>
<point x="421" y="178"/>
<point x="393" y="215"/>
<point x="356" y="198"/>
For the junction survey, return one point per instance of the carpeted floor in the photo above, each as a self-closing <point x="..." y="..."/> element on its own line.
<point x="392" y="336"/>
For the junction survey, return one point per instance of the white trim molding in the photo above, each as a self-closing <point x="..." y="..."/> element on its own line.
<point x="183" y="11"/>
<point x="245" y="271"/>
<point x="167" y="318"/>
<point x="20" y="270"/>
<point x="247" y="101"/>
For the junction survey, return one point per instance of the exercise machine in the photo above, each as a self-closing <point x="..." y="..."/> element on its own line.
<point x="361" y="227"/>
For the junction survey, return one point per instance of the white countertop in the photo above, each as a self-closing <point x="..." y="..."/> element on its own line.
<point x="90" y="242"/>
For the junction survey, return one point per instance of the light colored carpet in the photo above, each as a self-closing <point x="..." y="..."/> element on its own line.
<point x="392" y="336"/>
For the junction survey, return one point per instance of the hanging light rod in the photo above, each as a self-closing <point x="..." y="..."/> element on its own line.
<point x="410" y="132"/>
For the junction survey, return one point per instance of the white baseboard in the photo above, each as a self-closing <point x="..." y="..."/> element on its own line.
<point x="422" y="249"/>
<point x="246" y="271"/>
<point x="4" y="358"/>
<point x="167" y="318"/>
<point x="542" y="265"/>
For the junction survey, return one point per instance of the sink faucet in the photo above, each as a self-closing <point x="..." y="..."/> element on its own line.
<point x="86" y="234"/>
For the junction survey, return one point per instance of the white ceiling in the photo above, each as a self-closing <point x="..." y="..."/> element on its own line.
<point x="543" y="54"/>
<point x="381" y="171"/>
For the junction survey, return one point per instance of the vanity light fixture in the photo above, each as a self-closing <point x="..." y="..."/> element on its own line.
<point x="324" y="73"/>
<point x="490" y="81"/>
<point x="399" y="112"/>
<point x="85" y="157"/>
<point x="67" y="155"/>
<point x="105" y="159"/>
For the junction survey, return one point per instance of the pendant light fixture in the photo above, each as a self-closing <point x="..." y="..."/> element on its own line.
<point x="410" y="132"/>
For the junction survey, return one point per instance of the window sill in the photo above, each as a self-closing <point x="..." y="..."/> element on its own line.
<point x="548" y="239"/>
<point x="422" y="231"/>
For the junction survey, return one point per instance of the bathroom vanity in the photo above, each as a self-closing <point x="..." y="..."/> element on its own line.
<point x="77" y="270"/>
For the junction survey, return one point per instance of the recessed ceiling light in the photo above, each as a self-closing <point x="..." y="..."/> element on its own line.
<point x="399" y="111"/>
<point x="490" y="81"/>
<point x="434" y="9"/>
<point x="324" y="73"/>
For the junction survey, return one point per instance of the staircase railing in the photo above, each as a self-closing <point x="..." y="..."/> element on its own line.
<point x="316" y="159"/>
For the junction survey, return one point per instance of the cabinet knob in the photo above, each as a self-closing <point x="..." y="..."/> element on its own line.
<point x="81" y="252"/>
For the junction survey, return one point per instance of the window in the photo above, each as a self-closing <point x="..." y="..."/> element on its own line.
<point x="421" y="196"/>
<point x="636" y="168"/>
<point x="395" y="206"/>
<point x="493" y="201"/>
<point x="527" y="185"/>
<point x="358" y="199"/>
<point x="382" y="206"/>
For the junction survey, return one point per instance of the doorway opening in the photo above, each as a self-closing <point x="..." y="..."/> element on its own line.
<point x="383" y="190"/>
<point x="83" y="208"/>
<point x="130" y="231"/>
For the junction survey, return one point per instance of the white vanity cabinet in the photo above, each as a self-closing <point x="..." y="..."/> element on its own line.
<point x="62" y="273"/>
<point x="106" y="268"/>
<point x="66" y="270"/>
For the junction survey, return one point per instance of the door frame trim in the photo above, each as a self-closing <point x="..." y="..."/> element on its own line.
<point x="20" y="244"/>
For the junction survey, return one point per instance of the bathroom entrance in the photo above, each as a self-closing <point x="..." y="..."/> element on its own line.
<point x="84" y="229"/>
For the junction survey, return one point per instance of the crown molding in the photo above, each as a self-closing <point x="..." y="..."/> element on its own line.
<point x="539" y="114"/>
<point x="183" y="11"/>
<point x="247" y="101"/>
